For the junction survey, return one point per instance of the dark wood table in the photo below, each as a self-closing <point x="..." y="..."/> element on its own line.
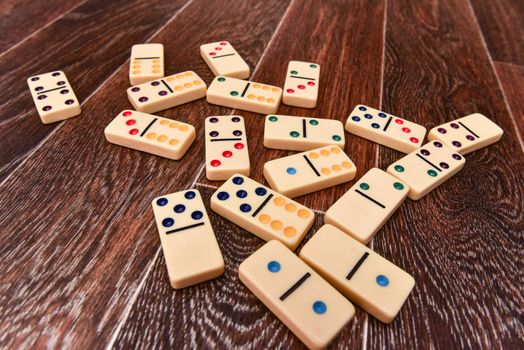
<point x="80" y="257"/>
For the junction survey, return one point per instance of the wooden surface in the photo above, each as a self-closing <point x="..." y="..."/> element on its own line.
<point x="80" y="255"/>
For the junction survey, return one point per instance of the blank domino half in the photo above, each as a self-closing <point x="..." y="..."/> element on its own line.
<point x="190" y="248"/>
<point x="364" y="209"/>
<point x="385" y="129"/>
<point x="262" y="211"/>
<point x="301" y="86"/>
<point x="53" y="97"/>
<point x="467" y="134"/>
<point x="309" y="171"/>
<point x="147" y="63"/>
<point x="226" y="147"/>
<point x="366" y="278"/>
<point x="245" y="95"/>
<point x="426" y="168"/>
<point x="301" y="133"/>
<point x="150" y="133"/>
<point x="223" y="59"/>
<point x="168" y="92"/>
<point x="312" y="309"/>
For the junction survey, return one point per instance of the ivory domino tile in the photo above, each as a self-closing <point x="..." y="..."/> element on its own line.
<point x="146" y="64"/>
<point x="366" y="278"/>
<point x="53" y="97"/>
<point x="150" y="133"/>
<point x="301" y="133"/>
<point x="262" y="211"/>
<point x="467" y="134"/>
<point x="190" y="248"/>
<point x="301" y="86"/>
<point x="309" y="171"/>
<point x="312" y="309"/>
<point x="223" y="59"/>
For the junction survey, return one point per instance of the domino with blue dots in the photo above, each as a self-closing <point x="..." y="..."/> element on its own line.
<point x="427" y="168"/>
<point x="385" y="129"/>
<point x="309" y="306"/>
<point x="366" y="278"/>
<point x="189" y="244"/>
<point x="309" y="171"/>
<point x="367" y="205"/>
<point x="262" y="211"/>
<point x="301" y="133"/>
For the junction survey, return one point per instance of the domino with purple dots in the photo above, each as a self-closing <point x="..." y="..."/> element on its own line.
<point x="309" y="171"/>
<point x="53" y="96"/>
<point x="366" y="278"/>
<point x="385" y="129"/>
<point x="301" y="86"/>
<point x="223" y="59"/>
<point x="150" y="133"/>
<point x="226" y="147"/>
<point x="467" y="134"/>
<point x="147" y="63"/>
<point x="427" y="168"/>
<point x="308" y="305"/>
<point x="189" y="244"/>
<point x="167" y="92"/>
<point x="262" y="211"/>
<point x="245" y="95"/>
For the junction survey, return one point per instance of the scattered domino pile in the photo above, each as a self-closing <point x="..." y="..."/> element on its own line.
<point x="309" y="293"/>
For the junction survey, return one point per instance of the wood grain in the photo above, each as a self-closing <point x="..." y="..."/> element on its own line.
<point x="502" y="24"/>
<point x="88" y="44"/>
<point x="512" y="79"/>
<point x="82" y="253"/>
<point x="460" y="241"/>
<point x="22" y="18"/>
<point x="249" y="324"/>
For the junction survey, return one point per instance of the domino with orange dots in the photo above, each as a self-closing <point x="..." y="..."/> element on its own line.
<point x="385" y="129"/>
<point x="262" y="211"/>
<point x="307" y="304"/>
<point x="223" y="59"/>
<point x="226" y="147"/>
<point x="167" y="92"/>
<point x="366" y="278"/>
<point x="147" y="63"/>
<point x="245" y="95"/>
<point x="309" y="171"/>
<point x="301" y="86"/>
<point x="150" y="133"/>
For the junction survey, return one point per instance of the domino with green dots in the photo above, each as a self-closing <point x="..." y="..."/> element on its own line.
<point x="427" y="168"/>
<point x="301" y="133"/>
<point x="301" y="86"/>
<point x="366" y="278"/>
<point x="366" y="206"/>
<point x="309" y="306"/>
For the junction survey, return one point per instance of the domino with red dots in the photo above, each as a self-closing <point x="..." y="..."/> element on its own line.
<point x="189" y="244"/>
<point x="309" y="171"/>
<point x="53" y="97"/>
<point x="427" y="168"/>
<point x="223" y="59"/>
<point x="226" y="147"/>
<point x="367" y="205"/>
<point x="301" y="133"/>
<point x="150" y="133"/>
<point x="262" y="211"/>
<point x="366" y="278"/>
<point x="301" y="86"/>
<point x="309" y="306"/>
<point x="467" y="134"/>
<point x="167" y="92"/>
<point x="245" y="95"/>
<point x="385" y="129"/>
<point x="147" y="63"/>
